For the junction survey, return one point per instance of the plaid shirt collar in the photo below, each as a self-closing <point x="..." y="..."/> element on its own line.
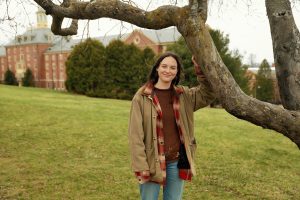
<point x="149" y="89"/>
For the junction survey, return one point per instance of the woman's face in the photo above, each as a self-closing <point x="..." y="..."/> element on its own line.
<point x="167" y="70"/>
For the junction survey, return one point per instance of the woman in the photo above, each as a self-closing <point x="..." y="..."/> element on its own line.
<point x="161" y="129"/>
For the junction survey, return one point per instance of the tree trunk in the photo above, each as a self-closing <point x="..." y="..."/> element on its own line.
<point x="286" y="48"/>
<point x="231" y="96"/>
<point x="190" y="21"/>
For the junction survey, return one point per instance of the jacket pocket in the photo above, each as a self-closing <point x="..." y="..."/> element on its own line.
<point x="150" y="153"/>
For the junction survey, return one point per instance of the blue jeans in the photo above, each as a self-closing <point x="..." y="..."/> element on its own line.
<point x="173" y="189"/>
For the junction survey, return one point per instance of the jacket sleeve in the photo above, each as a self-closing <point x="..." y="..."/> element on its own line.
<point x="136" y="136"/>
<point x="201" y="95"/>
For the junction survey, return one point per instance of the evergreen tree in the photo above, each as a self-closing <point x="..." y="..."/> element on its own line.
<point x="148" y="62"/>
<point x="126" y="69"/>
<point x="9" y="78"/>
<point x="27" y="81"/>
<point x="264" y="83"/>
<point x="85" y="68"/>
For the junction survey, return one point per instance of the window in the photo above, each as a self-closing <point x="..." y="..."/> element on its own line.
<point x="19" y="39"/>
<point x="21" y="57"/>
<point x="61" y="76"/>
<point x="53" y="57"/>
<point x="137" y="40"/>
<point x="47" y="57"/>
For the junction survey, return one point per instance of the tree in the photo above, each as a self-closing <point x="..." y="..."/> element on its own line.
<point x="190" y="22"/>
<point x="264" y="83"/>
<point x="148" y="59"/>
<point x="9" y="78"/>
<point x="27" y="80"/>
<point x="85" y="68"/>
<point x="233" y="60"/>
<point x="126" y="69"/>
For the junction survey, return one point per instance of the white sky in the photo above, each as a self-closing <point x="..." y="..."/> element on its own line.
<point x="247" y="25"/>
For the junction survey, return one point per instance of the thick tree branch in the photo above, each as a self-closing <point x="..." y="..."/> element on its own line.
<point x="57" y="22"/>
<point x="232" y="98"/>
<point x="159" y="18"/>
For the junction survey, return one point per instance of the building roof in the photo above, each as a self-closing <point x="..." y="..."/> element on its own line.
<point x="2" y="51"/>
<point x="34" y="36"/>
<point x="162" y="36"/>
<point x="63" y="43"/>
<point x="158" y="36"/>
<point x="66" y="43"/>
<point x="105" y="40"/>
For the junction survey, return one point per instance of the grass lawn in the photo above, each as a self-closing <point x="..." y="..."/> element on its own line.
<point x="55" y="145"/>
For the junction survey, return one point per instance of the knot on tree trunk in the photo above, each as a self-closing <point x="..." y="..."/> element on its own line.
<point x="283" y="13"/>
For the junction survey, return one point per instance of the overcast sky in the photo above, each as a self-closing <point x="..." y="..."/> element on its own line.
<point x="245" y="22"/>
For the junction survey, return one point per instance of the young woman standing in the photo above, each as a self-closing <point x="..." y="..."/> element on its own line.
<point x="161" y="129"/>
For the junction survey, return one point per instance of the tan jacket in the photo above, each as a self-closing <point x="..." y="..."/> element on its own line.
<point x="142" y="127"/>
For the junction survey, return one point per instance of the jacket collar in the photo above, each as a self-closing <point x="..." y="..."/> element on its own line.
<point x="148" y="89"/>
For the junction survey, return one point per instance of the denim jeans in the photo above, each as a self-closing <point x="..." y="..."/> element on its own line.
<point x="171" y="191"/>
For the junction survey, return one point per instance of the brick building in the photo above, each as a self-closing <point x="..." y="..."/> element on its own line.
<point x="252" y="73"/>
<point x="45" y="54"/>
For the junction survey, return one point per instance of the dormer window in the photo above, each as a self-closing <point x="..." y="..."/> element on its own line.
<point x="19" y="39"/>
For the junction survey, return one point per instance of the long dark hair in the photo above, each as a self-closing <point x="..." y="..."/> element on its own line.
<point x="153" y="77"/>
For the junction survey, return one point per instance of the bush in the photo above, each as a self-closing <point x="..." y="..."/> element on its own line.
<point x="9" y="78"/>
<point x="27" y="81"/>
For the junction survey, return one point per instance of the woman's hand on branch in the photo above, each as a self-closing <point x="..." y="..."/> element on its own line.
<point x="197" y="68"/>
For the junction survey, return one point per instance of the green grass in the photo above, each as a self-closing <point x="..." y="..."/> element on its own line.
<point x="56" y="145"/>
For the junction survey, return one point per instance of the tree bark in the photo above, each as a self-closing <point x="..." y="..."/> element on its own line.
<point x="286" y="48"/>
<point x="190" y="21"/>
